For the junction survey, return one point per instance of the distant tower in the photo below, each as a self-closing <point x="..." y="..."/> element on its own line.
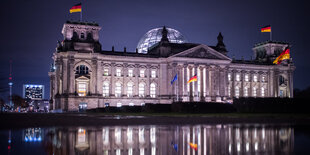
<point x="10" y="84"/>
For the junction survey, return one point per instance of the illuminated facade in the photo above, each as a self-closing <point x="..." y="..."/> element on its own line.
<point x="33" y="92"/>
<point x="153" y="140"/>
<point x="84" y="76"/>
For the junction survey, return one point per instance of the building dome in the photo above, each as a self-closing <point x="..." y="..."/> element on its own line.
<point x="154" y="36"/>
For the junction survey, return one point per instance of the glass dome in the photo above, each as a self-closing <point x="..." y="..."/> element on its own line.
<point x="154" y="36"/>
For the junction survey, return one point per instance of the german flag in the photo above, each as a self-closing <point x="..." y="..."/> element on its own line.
<point x="76" y="8"/>
<point x="266" y="29"/>
<point x="284" y="55"/>
<point x="194" y="78"/>
<point x="193" y="146"/>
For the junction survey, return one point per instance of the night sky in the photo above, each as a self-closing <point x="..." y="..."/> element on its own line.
<point x="30" y="29"/>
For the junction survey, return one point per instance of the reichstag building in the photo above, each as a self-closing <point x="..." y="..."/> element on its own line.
<point x="83" y="76"/>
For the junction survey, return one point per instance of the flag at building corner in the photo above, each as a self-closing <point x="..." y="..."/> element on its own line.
<point x="76" y="8"/>
<point x="266" y="28"/>
<point x="284" y="55"/>
<point x="194" y="78"/>
<point x="174" y="79"/>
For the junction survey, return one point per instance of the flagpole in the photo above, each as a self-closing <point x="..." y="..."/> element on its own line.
<point x="270" y="34"/>
<point x="81" y="16"/>
<point x="177" y="88"/>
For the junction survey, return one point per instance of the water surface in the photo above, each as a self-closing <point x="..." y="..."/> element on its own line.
<point x="158" y="139"/>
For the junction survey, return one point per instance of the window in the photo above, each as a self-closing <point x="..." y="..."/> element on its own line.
<point x="237" y="77"/>
<point x="106" y="72"/>
<point x="262" y="91"/>
<point x="141" y="73"/>
<point x="229" y="77"/>
<point x="129" y="89"/>
<point x="118" y="89"/>
<point x="245" y="93"/>
<point x="82" y="36"/>
<point x="237" y="92"/>
<point x="281" y="80"/>
<point x="118" y="72"/>
<point x="153" y="74"/>
<point x="141" y="90"/>
<point x="81" y="70"/>
<point x="254" y="91"/>
<point x="130" y="72"/>
<point x="105" y="92"/>
<point x="255" y="78"/>
<point x="153" y="90"/>
<point x="119" y="105"/>
<point x="82" y="89"/>
<point x="246" y="78"/>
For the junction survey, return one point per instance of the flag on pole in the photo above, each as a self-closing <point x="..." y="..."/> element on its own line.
<point x="266" y="28"/>
<point x="76" y="8"/>
<point x="193" y="146"/>
<point x="174" y="79"/>
<point x="284" y="55"/>
<point x="194" y="78"/>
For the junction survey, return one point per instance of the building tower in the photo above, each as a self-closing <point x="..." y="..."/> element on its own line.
<point x="10" y="85"/>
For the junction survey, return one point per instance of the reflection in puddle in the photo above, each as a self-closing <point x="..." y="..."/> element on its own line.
<point x="145" y="140"/>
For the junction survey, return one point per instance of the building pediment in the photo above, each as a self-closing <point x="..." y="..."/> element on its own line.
<point x="202" y="51"/>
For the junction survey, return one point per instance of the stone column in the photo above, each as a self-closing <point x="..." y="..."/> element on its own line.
<point x="93" y="78"/>
<point x="218" y="83"/>
<point x="179" y="82"/>
<point x="123" y="75"/>
<point x="163" y="79"/>
<point x="242" y="83"/>
<point x="276" y="83"/>
<point x="232" y="88"/>
<point x="190" y="84"/>
<point x="225" y="83"/>
<point x="251" y="84"/>
<point x="57" y="76"/>
<point x="291" y="84"/>
<point x="65" y="76"/>
<point x="172" y="71"/>
<point x="112" y="80"/>
<point x="136" y="77"/>
<point x="259" y="90"/>
<point x="71" y="76"/>
<point x="185" y="85"/>
<point x="99" y="79"/>
<point x="148" y="75"/>
<point x="271" y="83"/>
<point x="202" y="84"/>
<point x="196" y="83"/>
<point x="208" y="84"/>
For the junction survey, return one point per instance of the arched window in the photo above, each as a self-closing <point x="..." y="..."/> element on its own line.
<point x="281" y="80"/>
<point x="105" y="89"/>
<point x="81" y="70"/>
<point x="129" y="89"/>
<point x="82" y="35"/>
<point x="153" y="90"/>
<point x="118" y="89"/>
<point x="141" y="90"/>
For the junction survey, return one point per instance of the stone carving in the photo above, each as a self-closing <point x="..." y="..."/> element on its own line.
<point x="203" y="53"/>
